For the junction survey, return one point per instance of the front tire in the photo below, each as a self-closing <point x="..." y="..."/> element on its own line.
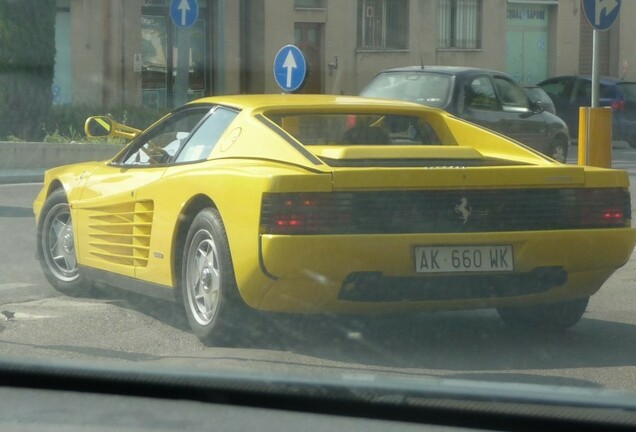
<point x="559" y="150"/>
<point x="553" y="316"/>
<point x="208" y="286"/>
<point x="56" y="245"/>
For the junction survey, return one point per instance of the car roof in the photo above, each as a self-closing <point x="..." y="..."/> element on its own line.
<point x="298" y="101"/>
<point x="447" y="70"/>
<point x="607" y="80"/>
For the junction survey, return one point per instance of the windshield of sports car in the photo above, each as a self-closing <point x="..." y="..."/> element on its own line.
<point x="355" y="191"/>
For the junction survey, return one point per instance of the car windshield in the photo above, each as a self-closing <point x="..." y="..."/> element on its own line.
<point x="426" y="88"/>
<point x="358" y="203"/>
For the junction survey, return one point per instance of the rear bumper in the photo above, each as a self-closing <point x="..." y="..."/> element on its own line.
<point x="376" y="273"/>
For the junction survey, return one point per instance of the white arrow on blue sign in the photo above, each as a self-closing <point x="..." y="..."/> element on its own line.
<point x="290" y="68"/>
<point x="184" y="12"/>
<point x="601" y="14"/>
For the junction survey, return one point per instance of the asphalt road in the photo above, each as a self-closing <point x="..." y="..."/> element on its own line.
<point x="112" y="327"/>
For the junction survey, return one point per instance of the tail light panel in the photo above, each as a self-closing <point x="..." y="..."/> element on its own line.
<point x="618" y="105"/>
<point x="395" y="212"/>
<point x="305" y="213"/>
<point x="605" y="208"/>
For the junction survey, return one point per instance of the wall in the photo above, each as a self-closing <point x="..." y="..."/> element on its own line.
<point x="87" y="38"/>
<point x="22" y="155"/>
<point x="108" y="32"/>
<point x="626" y="56"/>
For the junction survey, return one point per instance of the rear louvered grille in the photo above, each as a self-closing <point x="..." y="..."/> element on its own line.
<point x="444" y="211"/>
<point x="121" y="234"/>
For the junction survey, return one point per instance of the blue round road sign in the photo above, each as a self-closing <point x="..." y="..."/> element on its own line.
<point x="290" y="68"/>
<point x="601" y="14"/>
<point x="184" y="12"/>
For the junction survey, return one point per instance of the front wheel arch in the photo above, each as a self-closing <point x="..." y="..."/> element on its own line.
<point x="56" y="245"/>
<point x="558" y="149"/>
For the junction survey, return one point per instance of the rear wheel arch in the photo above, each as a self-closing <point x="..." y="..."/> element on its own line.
<point x="187" y="215"/>
<point x="213" y="306"/>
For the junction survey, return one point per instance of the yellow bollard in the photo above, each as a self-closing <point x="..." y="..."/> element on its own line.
<point x="595" y="136"/>
<point x="582" y="144"/>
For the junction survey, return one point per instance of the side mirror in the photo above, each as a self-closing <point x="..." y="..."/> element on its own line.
<point x="98" y="126"/>
<point x="537" y="106"/>
<point x="103" y="126"/>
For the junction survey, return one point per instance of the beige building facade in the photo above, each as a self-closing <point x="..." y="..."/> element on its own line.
<point x="126" y="52"/>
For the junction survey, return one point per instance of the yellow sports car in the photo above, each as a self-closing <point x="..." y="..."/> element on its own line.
<point x="333" y="204"/>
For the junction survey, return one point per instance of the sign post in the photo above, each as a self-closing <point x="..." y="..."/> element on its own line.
<point x="290" y="68"/>
<point x="601" y="15"/>
<point x="183" y="14"/>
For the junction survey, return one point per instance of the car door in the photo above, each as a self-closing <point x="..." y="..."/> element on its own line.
<point x="477" y="102"/>
<point x="518" y="119"/>
<point x="561" y="91"/>
<point x="186" y="176"/>
<point x="116" y="214"/>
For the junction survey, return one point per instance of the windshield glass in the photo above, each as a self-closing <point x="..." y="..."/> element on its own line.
<point x="426" y="88"/>
<point x="348" y="190"/>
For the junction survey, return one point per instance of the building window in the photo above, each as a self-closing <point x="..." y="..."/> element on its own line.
<point x="309" y="4"/>
<point x="383" y="24"/>
<point x="459" y="24"/>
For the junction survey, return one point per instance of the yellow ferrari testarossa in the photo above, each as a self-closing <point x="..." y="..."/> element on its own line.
<point x="333" y="204"/>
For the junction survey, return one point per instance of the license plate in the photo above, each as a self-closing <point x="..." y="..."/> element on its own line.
<point x="457" y="259"/>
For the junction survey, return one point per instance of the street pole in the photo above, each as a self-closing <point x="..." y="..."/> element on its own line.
<point x="595" y="68"/>
<point x="183" y="66"/>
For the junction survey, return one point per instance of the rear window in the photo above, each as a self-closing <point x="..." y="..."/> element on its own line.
<point x="605" y="91"/>
<point x="352" y="129"/>
<point x="422" y="87"/>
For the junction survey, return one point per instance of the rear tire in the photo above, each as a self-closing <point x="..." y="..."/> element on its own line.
<point x="210" y="296"/>
<point x="56" y="246"/>
<point x="553" y="316"/>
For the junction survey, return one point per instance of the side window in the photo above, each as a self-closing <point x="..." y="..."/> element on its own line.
<point x="558" y="90"/>
<point x="513" y="98"/>
<point x="159" y="145"/>
<point x="607" y="92"/>
<point x="480" y="95"/>
<point x="204" y="138"/>
<point x="583" y="92"/>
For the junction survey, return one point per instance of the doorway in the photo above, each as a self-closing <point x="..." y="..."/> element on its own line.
<point x="308" y="38"/>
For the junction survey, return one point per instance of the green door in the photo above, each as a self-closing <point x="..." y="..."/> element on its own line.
<point x="527" y="43"/>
